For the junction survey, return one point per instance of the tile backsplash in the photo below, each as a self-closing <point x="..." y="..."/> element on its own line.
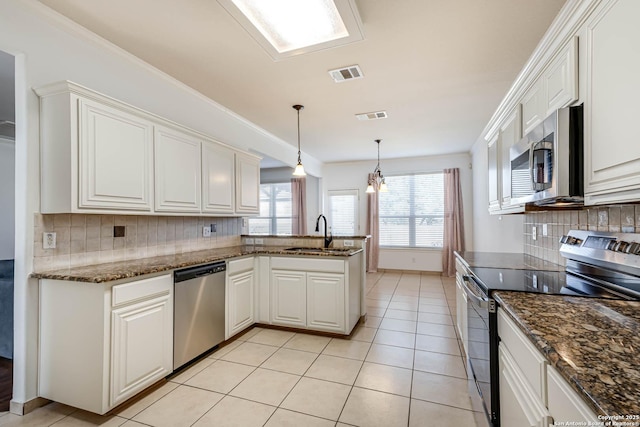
<point x="88" y="239"/>
<point x="617" y="218"/>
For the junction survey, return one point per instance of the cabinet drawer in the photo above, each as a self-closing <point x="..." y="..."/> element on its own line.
<point x="239" y="265"/>
<point x="529" y="359"/>
<point x="564" y="403"/>
<point x="141" y="289"/>
<point x="308" y="264"/>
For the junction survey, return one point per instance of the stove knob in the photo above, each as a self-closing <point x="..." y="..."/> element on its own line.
<point x="634" y="248"/>
<point x="623" y="246"/>
<point x="611" y="245"/>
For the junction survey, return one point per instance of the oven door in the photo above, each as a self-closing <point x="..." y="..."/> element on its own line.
<point x="478" y="339"/>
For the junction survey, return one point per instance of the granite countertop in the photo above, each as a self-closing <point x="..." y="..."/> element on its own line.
<point x="304" y="236"/>
<point x="108" y="272"/>
<point x="513" y="261"/>
<point x="594" y="343"/>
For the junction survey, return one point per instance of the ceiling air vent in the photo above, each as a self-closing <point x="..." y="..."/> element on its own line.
<point x="372" y="116"/>
<point x="347" y="73"/>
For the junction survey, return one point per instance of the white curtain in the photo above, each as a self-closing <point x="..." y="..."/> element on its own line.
<point x="299" y="206"/>
<point x="373" y="229"/>
<point x="453" y="221"/>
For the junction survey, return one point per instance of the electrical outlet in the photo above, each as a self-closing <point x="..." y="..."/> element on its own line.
<point x="544" y="230"/>
<point x="348" y="243"/>
<point x="534" y="232"/>
<point x="249" y="241"/>
<point x="214" y="228"/>
<point x="259" y="241"/>
<point x="206" y="231"/>
<point x="48" y="240"/>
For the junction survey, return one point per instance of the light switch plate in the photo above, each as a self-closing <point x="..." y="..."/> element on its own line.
<point x="534" y="232"/>
<point x="544" y="230"/>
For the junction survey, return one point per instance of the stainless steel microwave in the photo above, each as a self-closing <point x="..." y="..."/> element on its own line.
<point x="547" y="163"/>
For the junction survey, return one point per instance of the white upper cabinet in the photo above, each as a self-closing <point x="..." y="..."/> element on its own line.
<point x="509" y="135"/>
<point x="560" y="81"/>
<point x="177" y="171"/>
<point x="532" y="107"/>
<point x="612" y="149"/>
<point x="247" y="184"/>
<point x="494" y="174"/>
<point x="218" y="172"/>
<point x="100" y="155"/>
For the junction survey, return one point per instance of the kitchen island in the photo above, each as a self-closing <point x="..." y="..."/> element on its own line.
<point x="593" y="343"/>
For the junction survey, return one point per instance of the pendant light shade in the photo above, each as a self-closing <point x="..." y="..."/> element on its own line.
<point x="377" y="182"/>
<point x="299" y="170"/>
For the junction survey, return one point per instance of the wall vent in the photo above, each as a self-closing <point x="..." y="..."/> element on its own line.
<point x="346" y="73"/>
<point x="372" y="116"/>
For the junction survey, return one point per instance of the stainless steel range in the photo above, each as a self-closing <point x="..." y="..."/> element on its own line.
<point x="598" y="265"/>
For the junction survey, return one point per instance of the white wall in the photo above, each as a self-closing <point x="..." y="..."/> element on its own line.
<point x="492" y="233"/>
<point x="353" y="175"/>
<point x="7" y="198"/>
<point x="50" y="48"/>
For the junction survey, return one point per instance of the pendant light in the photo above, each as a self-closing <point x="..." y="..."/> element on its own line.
<point x="299" y="170"/>
<point x="377" y="182"/>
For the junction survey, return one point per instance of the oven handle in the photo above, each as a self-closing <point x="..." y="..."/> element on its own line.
<point x="479" y="300"/>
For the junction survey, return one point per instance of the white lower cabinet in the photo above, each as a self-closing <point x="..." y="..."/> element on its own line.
<point x="102" y="343"/>
<point x="532" y="393"/>
<point x="325" y="301"/>
<point x="289" y="298"/>
<point x="240" y="292"/>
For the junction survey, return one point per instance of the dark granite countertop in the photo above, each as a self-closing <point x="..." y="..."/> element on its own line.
<point x="594" y="344"/>
<point x="108" y="272"/>
<point x="513" y="261"/>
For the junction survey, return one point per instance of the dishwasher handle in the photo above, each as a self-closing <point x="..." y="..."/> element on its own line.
<point x="199" y="271"/>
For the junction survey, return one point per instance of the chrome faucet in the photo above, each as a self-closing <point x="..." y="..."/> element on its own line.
<point x="329" y="239"/>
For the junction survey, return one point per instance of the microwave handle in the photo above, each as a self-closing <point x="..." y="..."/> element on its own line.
<point x="533" y="183"/>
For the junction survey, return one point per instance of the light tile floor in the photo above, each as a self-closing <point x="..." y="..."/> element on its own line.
<point x="403" y="367"/>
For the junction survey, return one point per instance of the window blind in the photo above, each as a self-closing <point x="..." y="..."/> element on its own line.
<point x="343" y="212"/>
<point x="275" y="210"/>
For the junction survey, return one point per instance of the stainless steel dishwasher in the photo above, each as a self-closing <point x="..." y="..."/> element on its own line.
<point x="199" y="315"/>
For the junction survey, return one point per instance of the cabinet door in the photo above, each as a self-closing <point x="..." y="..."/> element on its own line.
<point x="115" y="152"/>
<point x="561" y="79"/>
<point x="519" y="406"/>
<point x="509" y="135"/>
<point x="532" y="108"/>
<point x="288" y="298"/>
<point x="247" y="184"/>
<point x="240" y="291"/>
<point x="218" y="165"/>
<point x="612" y="149"/>
<point x="142" y="346"/>
<point x="494" y="175"/>
<point x="177" y="171"/>
<point x="565" y="404"/>
<point x="325" y="302"/>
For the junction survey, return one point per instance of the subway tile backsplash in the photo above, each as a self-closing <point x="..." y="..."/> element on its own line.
<point x="88" y="239"/>
<point x="615" y="219"/>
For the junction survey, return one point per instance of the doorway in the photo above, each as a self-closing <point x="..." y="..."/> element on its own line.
<point x="7" y="224"/>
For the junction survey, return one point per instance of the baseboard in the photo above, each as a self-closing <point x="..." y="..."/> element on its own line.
<point x="23" y="408"/>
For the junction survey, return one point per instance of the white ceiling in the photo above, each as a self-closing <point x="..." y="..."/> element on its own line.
<point x="438" y="67"/>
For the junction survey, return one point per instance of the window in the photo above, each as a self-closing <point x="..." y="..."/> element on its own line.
<point x="343" y="212"/>
<point x="411" y="213"/>
<point x="275" y="210"/>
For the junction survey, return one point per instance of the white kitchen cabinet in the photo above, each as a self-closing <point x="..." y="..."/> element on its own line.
<point x="142" y="346"/>
<point x="532" y="107"/>
<point x="289" y="298"/>
<point x="560" y="79"/>
<point x="564" y="403"/>
<point x="325" y="301"/>
<point x="509" y="135"/>
<point x="612" y="151"/>
<point x="519" y="406"/>
<point x="177" y="171"/>
<point x="247" y="184"/>
<point x="101" y="343"/>
<point x="494" y="175"/>
<point x="240" y="292"/>
<point x="218" y="178"/>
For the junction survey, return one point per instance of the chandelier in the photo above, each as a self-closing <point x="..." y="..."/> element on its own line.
<point x="378" y="178"/>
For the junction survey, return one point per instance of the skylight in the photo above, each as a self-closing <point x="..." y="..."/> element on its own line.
<point x="290" y="27"/>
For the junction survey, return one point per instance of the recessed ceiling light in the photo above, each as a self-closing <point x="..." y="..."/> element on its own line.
<point x="290" y="27"/>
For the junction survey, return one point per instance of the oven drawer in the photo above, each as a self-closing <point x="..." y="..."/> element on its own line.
<point x="529" y="359"/>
